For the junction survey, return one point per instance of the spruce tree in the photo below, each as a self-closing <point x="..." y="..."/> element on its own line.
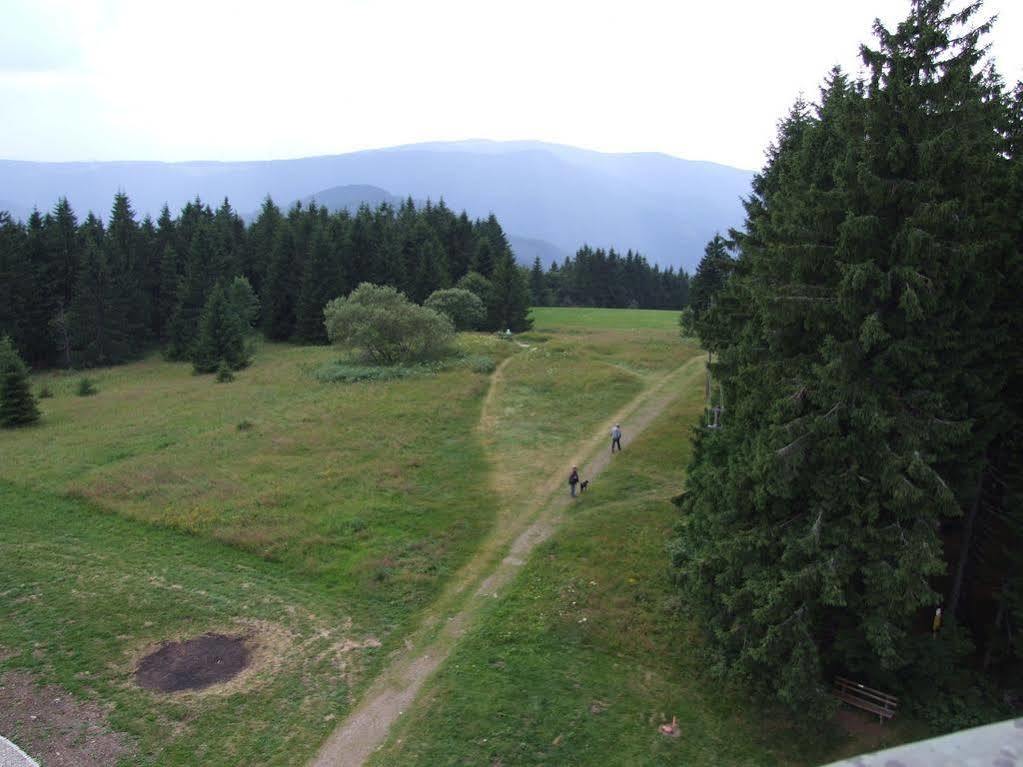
<point x="244" y="302"/>
<point x="170" y="284"/>
<point x="537" y="286"/>
<point x="322" y="282"/>
<point x="430" y="265"/>
<point x="39" y="305"/>
<point x="508" y="305"/>
<point x="192" y="291"/>
<point x="221" y="339"/>
<point x="281" y="285"/>
<point x="846" y="332"/>
<point x="98" y="332"/>
<point x="128" y="267"/>
<point x="17" y="405"/>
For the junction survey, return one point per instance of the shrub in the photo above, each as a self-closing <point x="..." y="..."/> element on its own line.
<point x="245" y="425"/>
<point x="464" y="308"/>
<point x="243" y="301"/>
<point x="342" y="372"/>
<point x="86" y="387"/>
<point x="386" y="326"/>
<point x="480" y="363"/>
<point x="17" y="405"/>
<point x="224" y="374"/>
<point x="478" y="285"/>
<point x="45" y="392"/>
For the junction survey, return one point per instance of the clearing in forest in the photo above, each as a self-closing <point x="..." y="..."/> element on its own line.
<point x="318" y="521"/>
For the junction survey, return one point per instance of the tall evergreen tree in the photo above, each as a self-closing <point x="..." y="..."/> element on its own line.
<point x="17" y="405"/>
<point x="508" y="306"/>
<point x="322" y="282"/>
<point x="810" y="528"/>
<point x="192" y="291"/>
<point x="170" y="285"/>
<point x="128" y="271"/>
<point x="42" y="300"/>
<point x="537" y="284"/>
<point x="98" y="332"/>
<point x="221" y="339"/>
<point x="281" y="286"/>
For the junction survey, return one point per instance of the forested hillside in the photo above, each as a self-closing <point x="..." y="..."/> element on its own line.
<point x="604" y="278"/>
<point x="664" y="206"/>
<point x="860" y="465"/>
<point x="95" y="293"/>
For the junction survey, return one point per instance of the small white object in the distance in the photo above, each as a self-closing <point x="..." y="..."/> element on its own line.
<point x="12" y="756"/>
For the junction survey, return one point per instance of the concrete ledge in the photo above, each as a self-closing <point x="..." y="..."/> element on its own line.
<point x="994" y="745"/>
<point x="12" y="756"/>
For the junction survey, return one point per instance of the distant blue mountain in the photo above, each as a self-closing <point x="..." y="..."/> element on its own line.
<point x="665" y="207"/>
<point x="351" y="196"/>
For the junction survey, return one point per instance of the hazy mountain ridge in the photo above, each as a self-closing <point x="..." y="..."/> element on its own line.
<point x="665" y="207"/>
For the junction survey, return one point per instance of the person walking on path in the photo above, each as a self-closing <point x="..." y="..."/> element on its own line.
<point x="573" y="479"/>
<point x="616" y="438"/>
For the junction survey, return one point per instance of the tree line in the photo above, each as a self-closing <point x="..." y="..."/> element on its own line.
<point x="79" y="294"/>
<point x="866" y="377"/>
<point x="605" y="278"/>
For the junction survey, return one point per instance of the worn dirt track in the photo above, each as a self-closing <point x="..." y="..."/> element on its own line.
<point x="516" y="534"/>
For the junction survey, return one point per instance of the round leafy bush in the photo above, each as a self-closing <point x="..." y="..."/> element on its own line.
<point x="386" y="326"/>
<point x="464" y="308"/>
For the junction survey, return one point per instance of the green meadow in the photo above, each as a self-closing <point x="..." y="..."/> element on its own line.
<point x="328" y="524"/>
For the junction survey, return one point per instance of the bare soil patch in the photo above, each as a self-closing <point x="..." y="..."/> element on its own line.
<point x="56" y="729"/>
<point x="193" y="664"/>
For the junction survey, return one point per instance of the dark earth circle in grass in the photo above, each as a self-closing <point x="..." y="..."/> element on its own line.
<point x="193" y="664"/>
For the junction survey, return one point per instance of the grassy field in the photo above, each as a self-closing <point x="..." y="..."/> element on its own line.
<point x="588" y="652"/>
<point x="319" y="519"/>
<point x="331" y="524"/>
<point x="83" y="593"/>
<point x="373" y="489"/>
<point x="564" y="318"/>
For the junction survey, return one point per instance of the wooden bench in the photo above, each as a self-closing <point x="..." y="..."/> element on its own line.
<point x="867" y="698"/>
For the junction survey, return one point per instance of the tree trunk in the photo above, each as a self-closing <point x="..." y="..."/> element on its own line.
<point x="964" y="549"/>
<point x="999" y="616"/>
<point x="709" y="382"/>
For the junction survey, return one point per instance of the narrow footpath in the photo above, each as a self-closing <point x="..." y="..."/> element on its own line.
<point x="490" y="570"/>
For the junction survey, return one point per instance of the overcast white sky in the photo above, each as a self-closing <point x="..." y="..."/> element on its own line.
<point x="131" y="79"/>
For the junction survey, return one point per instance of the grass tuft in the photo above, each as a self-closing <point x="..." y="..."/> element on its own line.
<point x="86" y="387"/>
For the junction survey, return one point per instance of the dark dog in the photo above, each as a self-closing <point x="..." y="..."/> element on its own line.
<point x="583" y="485"/>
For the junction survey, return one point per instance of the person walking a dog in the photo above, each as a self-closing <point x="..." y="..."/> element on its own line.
<point x="573" y="479"/>
<point x="616" y="438"/>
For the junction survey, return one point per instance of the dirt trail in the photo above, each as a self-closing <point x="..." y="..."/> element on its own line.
<point x="491" y="568"/>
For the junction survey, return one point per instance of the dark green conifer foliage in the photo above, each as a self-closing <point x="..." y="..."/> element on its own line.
<point x="192" y="293"/>
<point x="281" y="286"/>
<point x="17" y="405"/>
<point x="170" y="285"/>
<point x="64" y="242"/>
<point x="483" y="258"/>
<point x="537" y="284"/>
<point x="261" y="237"/>
<point x="128" y="268"/>
<point x="859" y="393"/>
<point x="244" y="302"/>
<point x="322" y="282"/>
<point x="98" y="332"/>
<point x="41" y="302"/>
<point x="508" y="306"/>
<point x="426" y="257"/>
<point x="12" y="237"/>
<point x="221" y="338"/>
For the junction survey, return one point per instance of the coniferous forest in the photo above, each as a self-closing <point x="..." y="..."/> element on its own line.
<point x="860" y="464"/>
<point x="81" y="294"/>
<point x="604" y="278"/>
